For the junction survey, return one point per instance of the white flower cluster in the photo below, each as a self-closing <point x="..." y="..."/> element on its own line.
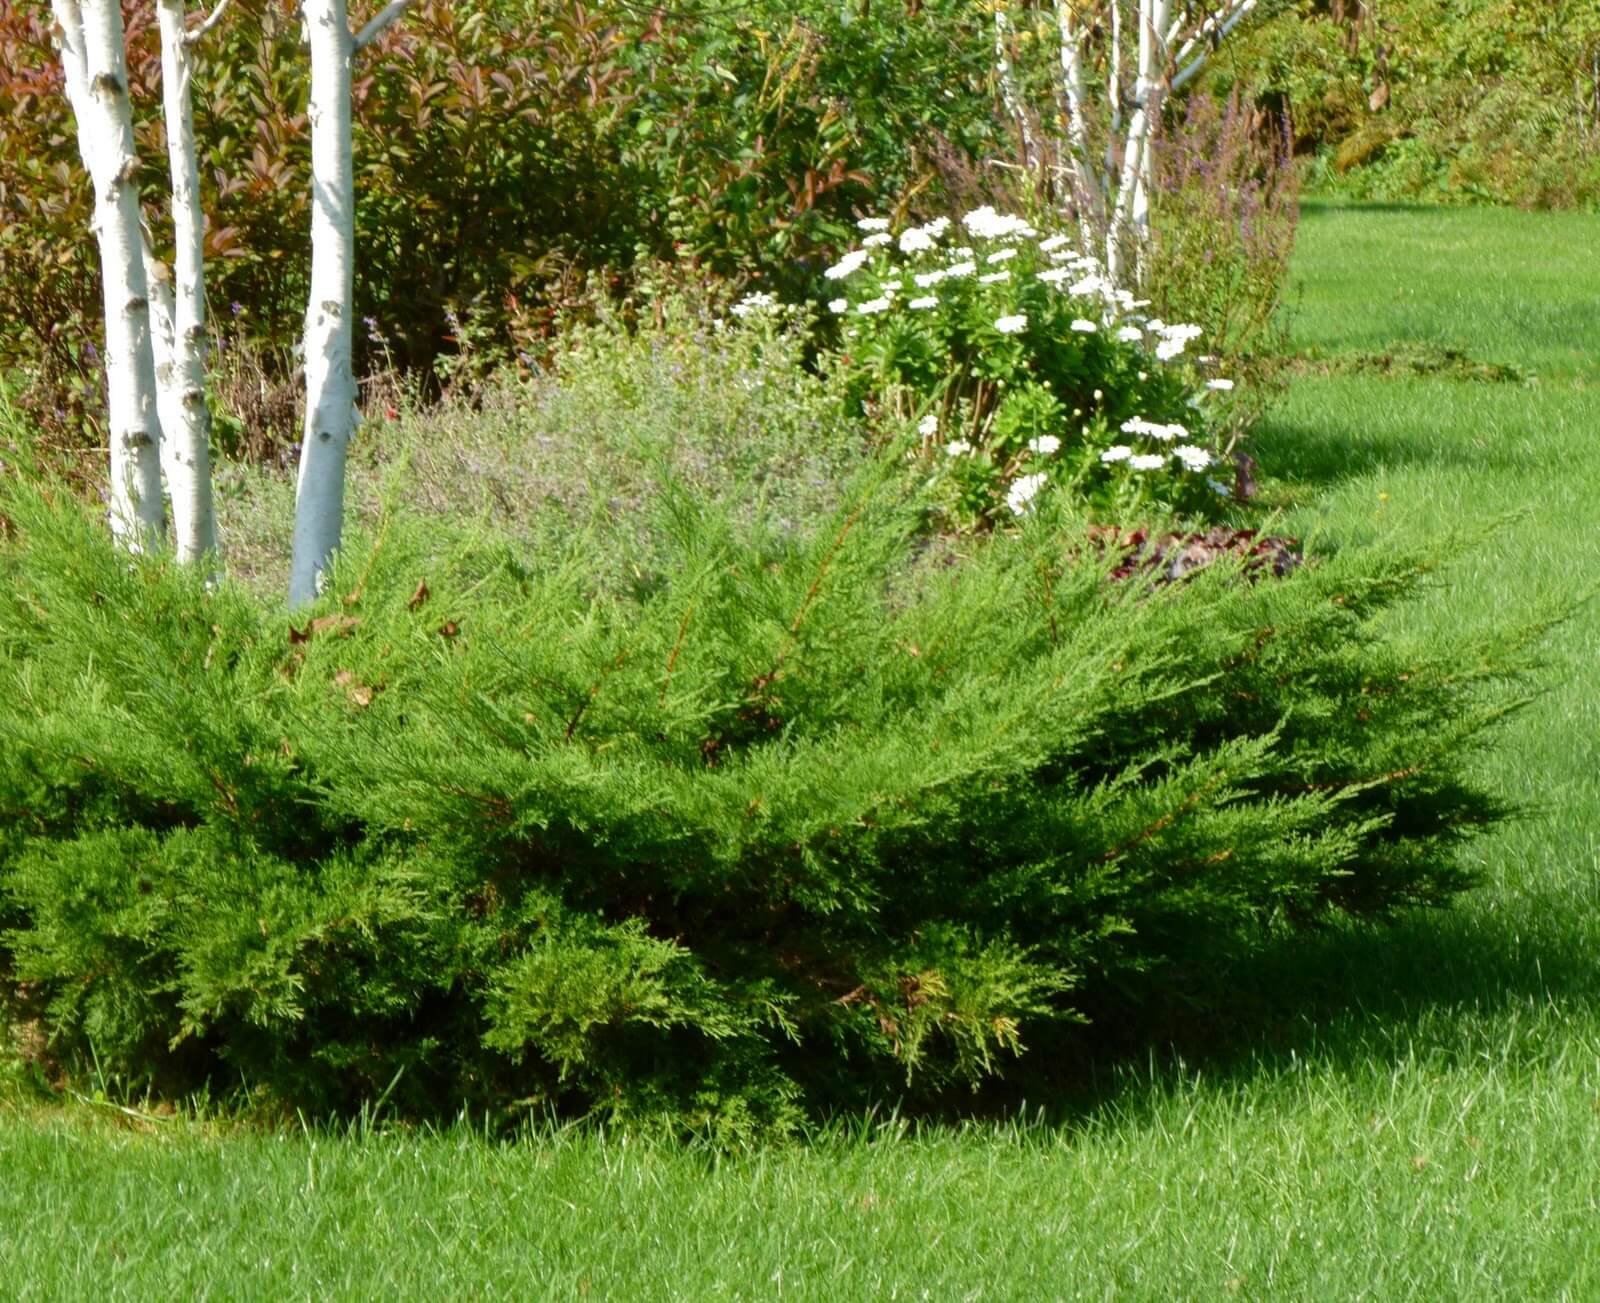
<point x="1153" y="430"/>
<point x="752" y="303"/>
<point x="1190" y="456"/>
<point x="851" y="262"/>
<point x="987" y="224"/>
<point x="1023" y="490"/>
<point x="1174" y="339"/>
<point x="1077" y="275"/>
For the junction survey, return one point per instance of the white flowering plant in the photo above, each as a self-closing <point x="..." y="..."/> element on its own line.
<point x="1023" y="368"/>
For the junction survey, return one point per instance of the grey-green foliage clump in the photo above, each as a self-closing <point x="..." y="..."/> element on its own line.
<point x="721" y="406"/>
<point x="813" y="816"/>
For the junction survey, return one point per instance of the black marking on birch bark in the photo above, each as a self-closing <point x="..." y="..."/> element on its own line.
<point x="136" y="304"/>
<point x="193" y="398"/>
<point x="129" y="171"/>
<point x="106" y="83"/>
<point x="333" y="307"/>
<point x="136" y="439"/>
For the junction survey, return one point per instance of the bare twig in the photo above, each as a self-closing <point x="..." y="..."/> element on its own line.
<point x="1211" y="34"/>
<point x="212" y="19"/>
<point x="382" y="22"/>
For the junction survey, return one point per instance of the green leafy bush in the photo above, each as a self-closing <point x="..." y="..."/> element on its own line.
<point x="49" y="273"/>
<point x="1023" y="367"/>
<point x="1445" y="100"/>
<point x="757" y="134"/>
<point x="503" y="152"/>
<point x="789" y="815"/>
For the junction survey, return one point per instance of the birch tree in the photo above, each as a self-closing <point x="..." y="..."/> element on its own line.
<point x="1009" y="94"/>
<point x="179" y="298"/>
<point x="1111" y="108"/>
<point x="94" y="64"/>
<point x="155" y="319"/>
<point x="330" y="413"/>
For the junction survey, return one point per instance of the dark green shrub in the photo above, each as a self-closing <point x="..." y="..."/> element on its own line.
<point x="762" y="135"/>
<point x="790" y="815"/>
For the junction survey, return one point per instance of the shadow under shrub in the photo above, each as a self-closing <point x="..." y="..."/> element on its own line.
<point x="803" y="817"/>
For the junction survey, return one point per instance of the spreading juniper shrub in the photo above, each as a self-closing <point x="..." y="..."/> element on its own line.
<point x="812" y="816"/>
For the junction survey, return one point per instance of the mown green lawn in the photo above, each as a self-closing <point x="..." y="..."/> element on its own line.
<point x="1408" y="1113"/>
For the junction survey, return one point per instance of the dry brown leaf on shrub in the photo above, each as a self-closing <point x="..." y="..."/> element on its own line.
<point x="360" y="693"/>
<point x="339" y="624"/>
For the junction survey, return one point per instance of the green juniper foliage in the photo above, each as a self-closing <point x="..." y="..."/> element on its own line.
<point x="798" y="817"/>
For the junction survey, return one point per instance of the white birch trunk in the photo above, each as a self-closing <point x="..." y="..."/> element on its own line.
<point x="1008" y="88"/>
<point x="1114" y="87"/>
<point x="186" y="422"/>
<point x="331" y="415"/>
<point x="1129" y="218"/>
<point x="330" y="418"/>
<point x="1114" y="199"/>
<point x="163" y="337"/>
<point x="95" y="67"/>
<point x="1088" y="185"/>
